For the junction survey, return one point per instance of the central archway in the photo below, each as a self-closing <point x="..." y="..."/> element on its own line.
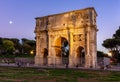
<point x="61" y="51"/>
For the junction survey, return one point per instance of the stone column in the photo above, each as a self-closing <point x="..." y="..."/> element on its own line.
<point x="94" y="56"/>
<point x="71" y="50"/>
<point x="88" y="54"/>
<point x="51" y="58"/>
<point x="38" y="58"/>
<point x="37" y="45"/>
<point x="94" y="50"/>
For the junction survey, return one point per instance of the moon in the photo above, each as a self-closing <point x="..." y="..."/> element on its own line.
<point x="10" y="22"/>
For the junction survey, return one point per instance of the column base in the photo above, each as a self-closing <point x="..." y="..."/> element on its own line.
<point x="51" y="61"/>
<point x="88" y="61"/>
<point x="58" y="61"/>
<point x="39" y="60"/>
<point x="71" y="62"/>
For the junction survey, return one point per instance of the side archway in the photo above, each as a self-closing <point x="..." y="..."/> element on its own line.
<point x="45" y="55"/>
<point x="80" y="56"/>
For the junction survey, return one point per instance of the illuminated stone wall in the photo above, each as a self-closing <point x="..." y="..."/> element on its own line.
<point x="78" y="27"/>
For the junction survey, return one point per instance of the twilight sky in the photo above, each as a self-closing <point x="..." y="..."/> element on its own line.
<point x="17" y="16"/>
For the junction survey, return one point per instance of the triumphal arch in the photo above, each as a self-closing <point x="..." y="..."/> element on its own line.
<point x="67" y="38"/>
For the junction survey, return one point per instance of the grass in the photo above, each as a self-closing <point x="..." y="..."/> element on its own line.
<point x="15" y="74"/>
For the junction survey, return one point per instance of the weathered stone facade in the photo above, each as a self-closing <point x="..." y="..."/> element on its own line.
<point x="75" y="29"/>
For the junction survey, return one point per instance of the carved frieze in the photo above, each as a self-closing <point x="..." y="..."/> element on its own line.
<point x="78" y="37"/>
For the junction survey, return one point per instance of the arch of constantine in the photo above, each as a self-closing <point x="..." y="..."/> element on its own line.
<point x="67" y="38"/>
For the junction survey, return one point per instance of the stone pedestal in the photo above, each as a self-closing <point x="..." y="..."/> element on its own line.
<point x="39" y="60"/>
<point x="58" y="60"/>
<point x="51" y="60"/>
<point x="88" y="61"/>
<point x="71" y="61"/>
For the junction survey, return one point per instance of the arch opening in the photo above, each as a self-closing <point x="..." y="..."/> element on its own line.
<point x="80" y="56"/>
<point x="45" y="55"/>
<point x="62" y="50"/>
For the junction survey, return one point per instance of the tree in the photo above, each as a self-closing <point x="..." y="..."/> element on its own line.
<point x="28" y="45"/>
<point x="17" y="45"/>
<point x="117" y="34"/>
<point x="25" y="47"/>
<point x="1" y="47"/>
<point x="13" y="46"/>
<point x="8" y="46"/>
<point x="114" y="45"/>
<point x="32" y="43"/>
<point x="111" y="43"/>
<point x="0" y="41"/>
<point x="100" y="54"/>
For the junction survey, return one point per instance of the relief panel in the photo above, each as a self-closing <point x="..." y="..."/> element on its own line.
<point x="78" y="37"/>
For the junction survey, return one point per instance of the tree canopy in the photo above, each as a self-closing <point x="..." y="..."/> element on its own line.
<point x="113" y="44"/>
<point x="8" y="46"/>
<point x="14" y="46"/>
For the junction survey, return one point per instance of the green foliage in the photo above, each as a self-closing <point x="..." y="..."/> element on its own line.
<point x="13" y="46"/>
<point x="111" y="43"/>
<point x="16" y="55"/>
<point x="114" y="45"/>
<point x="0" y="41"/>
<point x="8" y="46"/>
<point x="117" y="33"/>
<point x="101" y="54"/>
<point x="7" y="56"/>
<point x="28" y="45"/>
<point x="16" y="42"/>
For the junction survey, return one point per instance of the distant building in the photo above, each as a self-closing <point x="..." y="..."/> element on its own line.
<point x="67" y="38"/>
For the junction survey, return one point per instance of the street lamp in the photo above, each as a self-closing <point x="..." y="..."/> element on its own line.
<point x="110" y="54"/>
